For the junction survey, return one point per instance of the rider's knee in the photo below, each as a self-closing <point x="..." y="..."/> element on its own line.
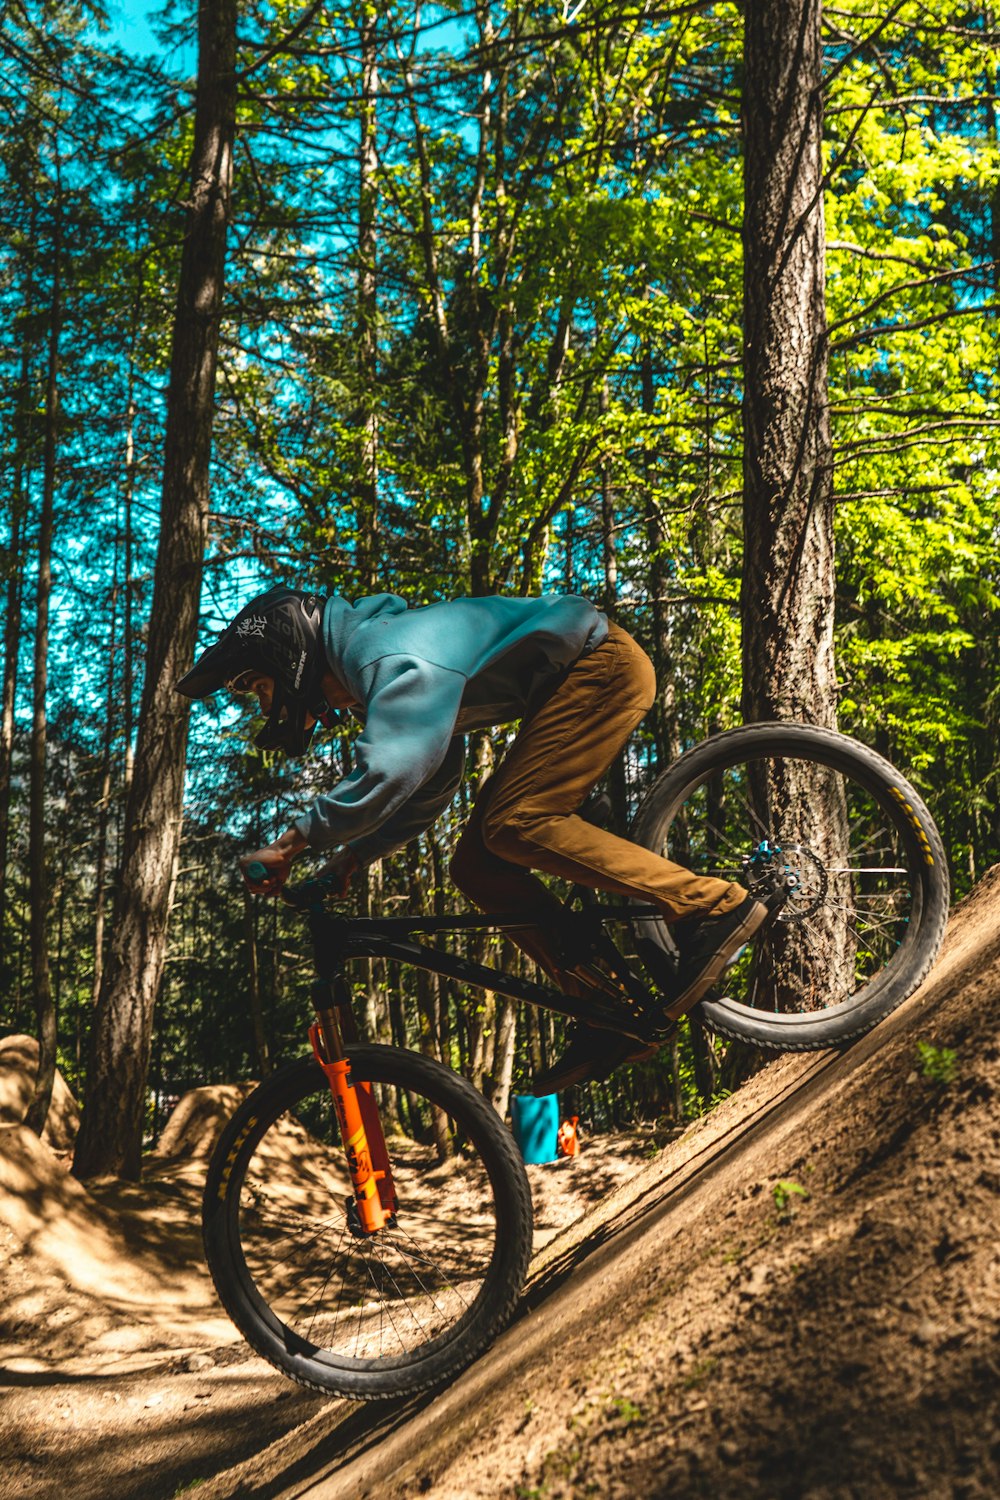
<point x="507" y="838"/>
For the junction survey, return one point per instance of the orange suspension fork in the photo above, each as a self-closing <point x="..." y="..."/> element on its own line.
<point x="360" y="1126"/>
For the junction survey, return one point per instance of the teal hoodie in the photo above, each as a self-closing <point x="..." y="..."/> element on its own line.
<point x="422" y="678"/>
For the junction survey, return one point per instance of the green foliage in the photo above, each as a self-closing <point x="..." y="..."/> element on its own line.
<point x="700" y="1373"/>
<point x="625" y="1413"/>
<point x="552" y="399"/>
<point x="937" y="1064"/>
<point x="784" y="1193"/>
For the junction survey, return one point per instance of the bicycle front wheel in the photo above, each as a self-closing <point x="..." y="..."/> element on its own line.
<point x="377" y="1315"/>
<point x="788" y="809"/>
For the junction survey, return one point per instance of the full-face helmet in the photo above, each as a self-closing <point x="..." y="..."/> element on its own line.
<point x="277" y="635"/>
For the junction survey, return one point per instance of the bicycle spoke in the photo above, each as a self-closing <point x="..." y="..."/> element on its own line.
<point x="416" y="1276"/>
<point x="319" y="1301"/>
<point x="366" y="1259"/>
<point x="771" y="817"/>
<point x="360" y="1298"/>
<point x="385" y="1309"/>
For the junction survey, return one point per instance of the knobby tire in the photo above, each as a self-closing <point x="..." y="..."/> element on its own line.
<point x="660" y="824"/>
<point x="275" y="1236"/>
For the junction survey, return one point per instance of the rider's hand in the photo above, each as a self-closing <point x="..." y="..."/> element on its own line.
<point x="276" y="859"/>
<point x="337" y="873"/>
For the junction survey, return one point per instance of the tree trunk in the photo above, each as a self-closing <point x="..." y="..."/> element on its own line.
<point x="12" y="633"/>
<point x="428" y="1003"/>
<point x="664" y="712"/>
<point x="261" y="1046"/>
<point x="38" y="894"/>
<point x="788" y="572"/>
<point x="12" y="624"/>
<point x="367" y="348"/>
<point x="104" y="802"/>
<point x="498" y="1090"/>
<point x="111" y="1134"/>
<point x="127" y="631"/>
<point x="617" y="785"/>
<point x="706" y="1068"/>
<point x="788" y="577"/>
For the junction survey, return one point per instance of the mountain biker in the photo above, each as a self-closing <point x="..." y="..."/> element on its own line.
<point x="420" y="679"/>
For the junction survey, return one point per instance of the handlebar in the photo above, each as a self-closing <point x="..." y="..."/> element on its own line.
<point x="300" y="897"/>
<point x="308" y="893"/>
<point x="330" y="882"/>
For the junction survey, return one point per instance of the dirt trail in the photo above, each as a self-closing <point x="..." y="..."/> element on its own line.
<point x="119" y="1373"/>
<point x="800" y="1297"/>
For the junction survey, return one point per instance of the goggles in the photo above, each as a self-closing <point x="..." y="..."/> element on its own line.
<point x="242" y="684"/>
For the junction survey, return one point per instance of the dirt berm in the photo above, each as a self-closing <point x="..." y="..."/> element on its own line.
<point x="799" y="1297"/>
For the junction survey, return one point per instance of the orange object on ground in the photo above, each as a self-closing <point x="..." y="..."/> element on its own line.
<point x="567" y="1141"/>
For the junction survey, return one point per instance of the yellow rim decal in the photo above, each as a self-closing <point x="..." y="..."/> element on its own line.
<point x="915" y="824"/>
<point x="234" y="1152"/>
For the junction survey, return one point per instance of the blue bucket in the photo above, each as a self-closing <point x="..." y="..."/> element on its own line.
<point x="536" y="1125"/>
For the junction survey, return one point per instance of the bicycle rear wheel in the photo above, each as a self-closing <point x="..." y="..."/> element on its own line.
<point x="378" y="1315"/>
<point x="814" y="814"/>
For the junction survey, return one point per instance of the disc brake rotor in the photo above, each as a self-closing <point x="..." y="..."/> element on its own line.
<point x="790" y="867"/>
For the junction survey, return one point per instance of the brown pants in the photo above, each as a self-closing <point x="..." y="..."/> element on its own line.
<point x="525" y="815"/>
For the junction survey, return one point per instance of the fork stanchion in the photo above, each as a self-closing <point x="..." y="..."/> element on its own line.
<point x="358" y="1119"/>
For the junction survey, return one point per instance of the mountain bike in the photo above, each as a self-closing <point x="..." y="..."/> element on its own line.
<point x="367" y="1218"/>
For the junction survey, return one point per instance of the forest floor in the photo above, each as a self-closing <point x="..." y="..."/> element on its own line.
<point x="799" y="1297"/>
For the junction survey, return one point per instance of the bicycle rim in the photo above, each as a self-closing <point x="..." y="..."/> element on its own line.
<point x="382" y="1314"/>
<point x="815" y="817"/>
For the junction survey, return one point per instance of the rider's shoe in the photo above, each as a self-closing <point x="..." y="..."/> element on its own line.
<point x="709" y="945"/>
<point x="591" y="1053"/>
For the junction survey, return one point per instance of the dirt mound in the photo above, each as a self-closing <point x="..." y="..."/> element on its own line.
<point x="123" y="1377"/>
<point x="18" y="1067"/>
<point x="199" y="1119"/>
<point x="799" y="1298"/>
<point x="89" y="1280"/>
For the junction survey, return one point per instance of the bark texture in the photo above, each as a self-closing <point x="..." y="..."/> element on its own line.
<point x="38" y="885"/>
<point x="11" y="637"/>
<point x="788" y="570"/>
<point x="367" y="321"/>
<point x="111" y="1135"/>
<point x="788" y="576"/>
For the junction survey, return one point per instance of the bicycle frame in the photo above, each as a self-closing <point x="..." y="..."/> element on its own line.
<point x="337" y="941"/>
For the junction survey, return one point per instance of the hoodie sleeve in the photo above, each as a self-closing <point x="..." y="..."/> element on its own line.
<point x="418" y="812"/>
<point x="410" y="710"/>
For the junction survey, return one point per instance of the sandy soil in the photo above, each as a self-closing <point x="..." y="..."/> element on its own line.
<point x="123" y="1377"/>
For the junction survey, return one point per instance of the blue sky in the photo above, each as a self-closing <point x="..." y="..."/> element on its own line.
<point x="130" y="26"/>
